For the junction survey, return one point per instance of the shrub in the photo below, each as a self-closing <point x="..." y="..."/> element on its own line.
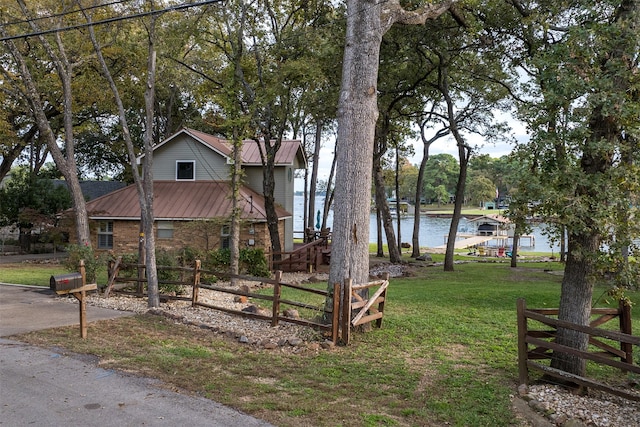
<point x="92" y="262"/>
<point x="255" y="262"/>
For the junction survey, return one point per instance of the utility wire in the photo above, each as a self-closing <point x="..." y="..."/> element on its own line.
<point x="58" y="15"/>
<point x="110" y="20"/>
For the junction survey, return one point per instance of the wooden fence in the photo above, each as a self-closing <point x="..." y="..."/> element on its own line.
<point x="307" y="257"/>
<point x="543" y="344"/>
<point x="343" y="316"/>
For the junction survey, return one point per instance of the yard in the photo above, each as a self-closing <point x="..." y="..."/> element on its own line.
<point x="446" y="354"/>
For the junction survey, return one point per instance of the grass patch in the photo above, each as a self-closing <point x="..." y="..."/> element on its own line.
<point x="35" y="274"/>
<point x="446" y="354"/>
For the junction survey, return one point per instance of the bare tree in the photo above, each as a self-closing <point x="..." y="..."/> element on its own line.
<point x="144" y="184"/>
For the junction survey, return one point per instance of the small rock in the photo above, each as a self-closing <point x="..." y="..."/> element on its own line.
<point x="270" y="345"/>
<point x="294" y="342"/>
<point x="523" y="390"/>
<point x="243" y="339"/>
<point x="292" y="313"/>
<point x="425" y="257"/>
<point x="327" y="344"/>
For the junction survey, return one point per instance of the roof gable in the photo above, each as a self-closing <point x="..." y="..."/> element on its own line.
<point x="289" y="152"/>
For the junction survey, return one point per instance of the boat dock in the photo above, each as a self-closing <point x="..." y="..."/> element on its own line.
<point x="470" y="240"/>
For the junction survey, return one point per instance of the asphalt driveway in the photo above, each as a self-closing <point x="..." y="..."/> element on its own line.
<point x="40" y="387"/>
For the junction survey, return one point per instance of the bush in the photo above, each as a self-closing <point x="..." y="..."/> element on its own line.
<point x="255" y="262"/>
<point x="92" y="262"/>
<point x="252" y="261"/>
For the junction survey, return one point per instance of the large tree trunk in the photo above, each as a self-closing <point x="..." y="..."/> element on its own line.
<point x="234" y="231"/>
<point x="153" y="292"/>
<point x="575" y="299"/>
<point x="357" y="115"/>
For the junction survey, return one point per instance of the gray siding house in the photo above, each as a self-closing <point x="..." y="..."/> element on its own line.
<point x="191" y="183"/>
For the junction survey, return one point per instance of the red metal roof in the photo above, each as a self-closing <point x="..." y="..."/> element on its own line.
<point x="182" y="200"/>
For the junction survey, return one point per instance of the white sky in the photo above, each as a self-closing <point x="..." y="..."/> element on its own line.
<point x="444" y="145"/>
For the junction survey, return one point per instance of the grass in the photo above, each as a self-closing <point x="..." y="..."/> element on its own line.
<point x="446" y="355"/>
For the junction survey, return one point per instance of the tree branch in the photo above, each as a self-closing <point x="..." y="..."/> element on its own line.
<point x="393" y="12"/>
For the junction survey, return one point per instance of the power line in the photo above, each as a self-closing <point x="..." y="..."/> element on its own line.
<point x="110" y="20"/>
<point x="61" y="14"/>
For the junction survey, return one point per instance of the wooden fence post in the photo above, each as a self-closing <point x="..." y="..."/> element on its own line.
<point x="277" y="292"/>
<point x="196" y="282"/>
<point x="385" y="277"/>
<point x="625" y="328"/>
<point x="523" y="373"/>
<point x="82" y="302"/>
<point x="346" y="311"/>
<point x="335" y="314"/>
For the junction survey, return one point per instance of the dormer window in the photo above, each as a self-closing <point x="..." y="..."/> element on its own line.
<point x="185" y="170"/>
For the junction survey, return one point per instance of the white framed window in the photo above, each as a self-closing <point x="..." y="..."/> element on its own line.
<point x="185" y="170"/>
<point x="225" y="237"/>
<point x="165" y="229"/>
<point x="105" y="235"/>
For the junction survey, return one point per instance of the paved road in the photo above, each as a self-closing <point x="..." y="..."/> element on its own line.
<point x="49" y="388"/>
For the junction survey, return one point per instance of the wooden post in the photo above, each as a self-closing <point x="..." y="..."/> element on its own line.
<point x="113" y="274"/>
<point x="83" y="272"/>
<point x="196" y="283"/>
<point x="82" y="303"/>
<point x="346" y="311"/>
<point x="625" y="328"/>
<point x="277" y="291"/>
<point x="523" y="373"/>
<point x="385" y="277"/>
<point x="142" y="261"/>
<point x="335" y="314"/>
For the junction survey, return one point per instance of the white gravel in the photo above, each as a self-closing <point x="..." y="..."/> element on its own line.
<point x="597" y="409"/>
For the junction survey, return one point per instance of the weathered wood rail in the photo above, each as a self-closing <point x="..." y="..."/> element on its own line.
<point x="343" y="316"/>
<point x="543" y="344"/>
<point x="307" y="257"/>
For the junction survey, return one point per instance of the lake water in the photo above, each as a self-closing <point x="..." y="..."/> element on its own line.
<point x="432" y="230"/>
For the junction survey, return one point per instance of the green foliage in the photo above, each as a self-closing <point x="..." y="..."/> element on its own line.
<point x="167" y="259"/>
<point x="255" y="262"/>
<point x="92" y="263"/>
<point x="252" y="261"/>
<point x="29" y="201"/>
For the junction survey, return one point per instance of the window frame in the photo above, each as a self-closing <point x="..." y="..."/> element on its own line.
<point x="105" y="233"/>
<point x="163" y="227"/>
<point x="193" y="170"/>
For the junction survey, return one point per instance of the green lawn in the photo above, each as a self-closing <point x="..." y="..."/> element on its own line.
<point x="446" y="355"/>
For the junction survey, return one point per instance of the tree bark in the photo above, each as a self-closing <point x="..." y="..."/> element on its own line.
<point x="426" y="143"/>
<point x="367" y="21"/>
<point x="314" y="176"/>
<point x="385" y="213"/>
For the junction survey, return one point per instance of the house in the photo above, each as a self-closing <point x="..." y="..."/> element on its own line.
<point x="192" y="197"/>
